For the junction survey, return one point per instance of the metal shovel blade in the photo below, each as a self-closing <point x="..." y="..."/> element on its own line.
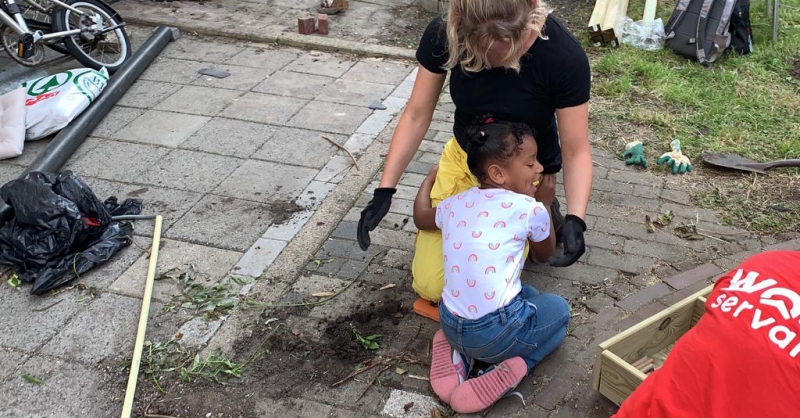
<point x="737" y="162"/>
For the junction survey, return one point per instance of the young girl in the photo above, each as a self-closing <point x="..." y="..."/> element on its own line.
<point x="486" y="313"/>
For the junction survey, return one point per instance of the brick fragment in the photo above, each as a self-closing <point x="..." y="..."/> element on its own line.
<point x="305" y="25"/>
<point x="322" y="24"/>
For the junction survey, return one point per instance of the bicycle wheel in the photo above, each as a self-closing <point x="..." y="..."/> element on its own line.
<point x="94" y="50"/>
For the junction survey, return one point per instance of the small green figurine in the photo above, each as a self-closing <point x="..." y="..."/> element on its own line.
<point x="675" y="159"/>
<point x="634" y="154"/>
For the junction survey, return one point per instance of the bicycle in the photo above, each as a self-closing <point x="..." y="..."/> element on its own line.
<point x="89" y="30"/>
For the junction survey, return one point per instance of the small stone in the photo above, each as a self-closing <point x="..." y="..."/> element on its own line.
<point x="377" y="105"/>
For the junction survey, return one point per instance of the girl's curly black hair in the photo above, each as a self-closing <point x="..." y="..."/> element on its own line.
<point x="491" y="140"/>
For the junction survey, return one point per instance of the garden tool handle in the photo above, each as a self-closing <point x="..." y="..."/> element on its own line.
<point x="782" y="163"/>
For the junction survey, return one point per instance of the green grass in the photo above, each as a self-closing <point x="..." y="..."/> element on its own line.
<point x="748" y="105"/>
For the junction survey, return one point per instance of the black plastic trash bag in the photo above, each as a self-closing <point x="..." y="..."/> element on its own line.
<point x="60" y="228"/>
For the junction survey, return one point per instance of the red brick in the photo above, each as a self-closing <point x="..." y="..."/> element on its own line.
<point x="690" y="277"/>
<point x="322" y="22"/>
<point x="305" y="25"/>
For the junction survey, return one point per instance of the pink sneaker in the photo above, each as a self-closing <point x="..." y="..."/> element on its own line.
<point x="448" y="369"/>
<point x="483" y="391"/>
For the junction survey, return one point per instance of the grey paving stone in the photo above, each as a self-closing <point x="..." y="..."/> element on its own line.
<point x="240" y="78"/>
<point x="110" y="323"/>
<point x="346" y="230"/>
<point x="599" y="302"/>
<point x="659" y="251"/>
<point x="643" y="297"/>
<point x="358" y="143"/>
<point x="628" y="263"/>
<point x="68" y="390"/>
<point x="173" y="71"/>
<point x="9" y="172"/>
<point x="264" y="108"/>
<point x="374" y="124"/>
<point x="412" y="179"/>
<point x="627" y="200"/>
<point x="690" y="277"/>
<point x="331" y="117"/>
<point x="265" y="181"/>
<point x="351" y="269"/>
<point x="169" y="203"/>
<point x="633" y="176"/>
<point x="190" y="170"/>
<point x="598" y="323"/>
<point x="258" y="257"/>
<point x="603" y="240"/>
<point x="270" y="60"/>
<point x="640" y="315"/>
<point x="116" y="160"/>
<point x="291" y="408"/>
<point x="404" y="89"/>
<point x="289" y="83"/>
<point x="115" y="120"/>
<point x="9" y="361"/>
<point x="198" y="100"/>
<point x="146" y="94"/>
<point x="162" y="128"/>
<point x="558" y="387"/>
<point x="397" y="404"/>
<point x="339" y="248"/>
<point x="299" y="147"/>
<point x="230" y="137"/>
<point x="357" y="93"/>
<point x="320" y="63"/>
<point x="684" y="293"/>
<point x="387" y="72"/>
<point x="287" y="230"/>
<point x="419" y="168"/>
<point x="222" y="222"/>
<point x="210" y="265"/>
<point x="580" y="271"/>
<point x="334" y="169"/>
<point x="201" y="50"/>
<point x="676" y="196"/>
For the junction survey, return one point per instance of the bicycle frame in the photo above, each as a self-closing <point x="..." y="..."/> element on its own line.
<point x="18" y="24"/>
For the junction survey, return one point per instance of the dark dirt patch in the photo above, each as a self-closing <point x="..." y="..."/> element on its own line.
<point x="289" y="361"/>
<point x="408" y="24"/>
<point x="282" y="210"/>
<point x="795" y="71"/>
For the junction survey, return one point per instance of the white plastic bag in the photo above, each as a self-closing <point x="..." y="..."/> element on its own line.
<point x="55" y="100"/>
<point x="648" y="36"/>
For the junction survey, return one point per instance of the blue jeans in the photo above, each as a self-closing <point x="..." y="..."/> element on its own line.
<point x="531" y="326"/>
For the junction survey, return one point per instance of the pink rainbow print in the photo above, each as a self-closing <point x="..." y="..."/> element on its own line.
<point x="473" y="309"/>
<point x="447" y="206"/>
<point x="471" y="282"/>
<point x="508" y="279"/>
<point x="476" y="234"/>
<point x="461" y="224"/>
<point x="500" y="224"/>
<point x="510" y="259"/>
<point x="460" y="196"/>
<point x="544" y="229"/>
<point x="489" y="195"/>
<point x="484" y="214"/>
<point x="469" y="205"/>
<point x="489" y="295"/>
<point x="507" y="205"/>
<point x="473" y="257"/>
<point x="536" y="210"/>
<point x="456" y="245"/>
<point x="523" y="216"/>
<point x="445" y="258"/>
<point x="455" y="269"/>
<point x="452" y="215"/>
<point x="494" y="246"/>
<point x="516" y="238"/>
<point x="455" y="293"/>
<point x="447" y="236"/>
<point x="490" y="270"/>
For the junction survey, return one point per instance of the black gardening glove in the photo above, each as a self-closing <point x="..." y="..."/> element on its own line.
<point x="572" y="238"/>
<point x="372" y="214"/>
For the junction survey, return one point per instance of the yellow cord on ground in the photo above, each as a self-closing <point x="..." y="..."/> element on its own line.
<point x="127" y="406"/>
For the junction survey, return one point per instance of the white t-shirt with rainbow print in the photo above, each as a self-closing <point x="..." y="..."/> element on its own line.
<point x="484" y="232"/>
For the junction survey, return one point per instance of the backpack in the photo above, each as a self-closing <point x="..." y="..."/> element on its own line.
<point x="704" y="29"/>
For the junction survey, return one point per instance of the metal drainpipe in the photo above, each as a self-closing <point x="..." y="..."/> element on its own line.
<point x="72" y="136"/>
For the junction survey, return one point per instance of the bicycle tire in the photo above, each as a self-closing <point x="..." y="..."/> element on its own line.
<point x="79" y="50"/>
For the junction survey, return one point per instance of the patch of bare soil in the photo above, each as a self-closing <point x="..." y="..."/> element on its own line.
<point x="282" y="210"/>
<point x="288" y="361"/>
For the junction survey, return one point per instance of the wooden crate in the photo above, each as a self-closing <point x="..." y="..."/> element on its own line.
<point x="614" y="376"/>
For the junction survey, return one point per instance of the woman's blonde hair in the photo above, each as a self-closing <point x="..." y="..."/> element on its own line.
<point x="472" y="26"/>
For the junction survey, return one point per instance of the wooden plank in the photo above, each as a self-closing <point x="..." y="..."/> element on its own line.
<point x="669" y="325"/>
<point x="649" y="14"/>
<point x="618" y="379"/>
<point x="598" y="13"/>
<point x="597" y="368"/>
<point x="699" y="310"/>
<point x="610" y="16"/>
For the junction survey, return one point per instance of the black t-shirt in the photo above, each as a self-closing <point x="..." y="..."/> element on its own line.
<point x="554" y="75"/>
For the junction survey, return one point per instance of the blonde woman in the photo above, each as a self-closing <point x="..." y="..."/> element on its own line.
<point x="512" y="59"/>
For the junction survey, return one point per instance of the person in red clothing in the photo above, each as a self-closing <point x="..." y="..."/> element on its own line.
<point x="742" y="359"/>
